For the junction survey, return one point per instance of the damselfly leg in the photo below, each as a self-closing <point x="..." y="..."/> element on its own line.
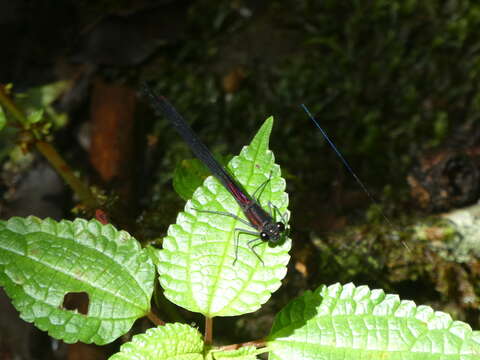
<point x="237" y="240"/>
<point x="261" y="188"/>
<point x="274" y="210"/>
<point x="253" y="248"/>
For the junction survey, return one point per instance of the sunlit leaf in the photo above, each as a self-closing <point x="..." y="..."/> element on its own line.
<point x="196" y="263"/>
<point x="348" y="322"/>
<point x="80" y="280"/>
<point x="172" y="341"/>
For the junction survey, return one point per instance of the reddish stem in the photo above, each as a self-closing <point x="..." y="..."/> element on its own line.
<point x="155" y="319"/>
<point x="256" y="343"/>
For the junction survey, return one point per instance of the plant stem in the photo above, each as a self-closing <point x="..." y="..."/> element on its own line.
<point x="256" y="343"/>
<point x="155" y="319"/>
<point x="8" y="104"/>
<point x="208" y="330"/>
<point x="54" y="158"/>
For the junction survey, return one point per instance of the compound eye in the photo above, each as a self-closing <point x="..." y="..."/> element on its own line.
<point x="280" y="226"/>
<point x="264" y="236"/>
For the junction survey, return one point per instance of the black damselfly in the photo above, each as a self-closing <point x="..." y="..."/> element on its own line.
<point x="267" y="228"/>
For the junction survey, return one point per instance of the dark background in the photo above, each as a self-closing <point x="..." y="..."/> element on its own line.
<point x="395" y="84"/>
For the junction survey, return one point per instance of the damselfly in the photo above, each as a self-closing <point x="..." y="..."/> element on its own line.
<point x="267" y="228"/>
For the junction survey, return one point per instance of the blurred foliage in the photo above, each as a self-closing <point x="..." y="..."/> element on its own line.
<point x="3" y="118"/>
<point x="38" y="103"/>
<point x="386" y="78"/>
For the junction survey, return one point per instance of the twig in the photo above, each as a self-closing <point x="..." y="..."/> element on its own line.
<point x="8" y="104"/>
<point x="155" y="319"/>
<point x="54" y="158"/>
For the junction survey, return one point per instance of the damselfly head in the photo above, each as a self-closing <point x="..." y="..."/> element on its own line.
<point x="273" y="233"/>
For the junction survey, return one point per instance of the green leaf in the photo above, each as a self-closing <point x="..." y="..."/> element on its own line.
<point x="3" y="118"/>
<point x="196" y="263"/>
<point x="44" y="264"/>
<point x="35" y="116"/>
<point x="172" y="341"/>
<point x="188" y="176"/>
<point x="348" y="322"/>
<point x="43" y="96"/>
